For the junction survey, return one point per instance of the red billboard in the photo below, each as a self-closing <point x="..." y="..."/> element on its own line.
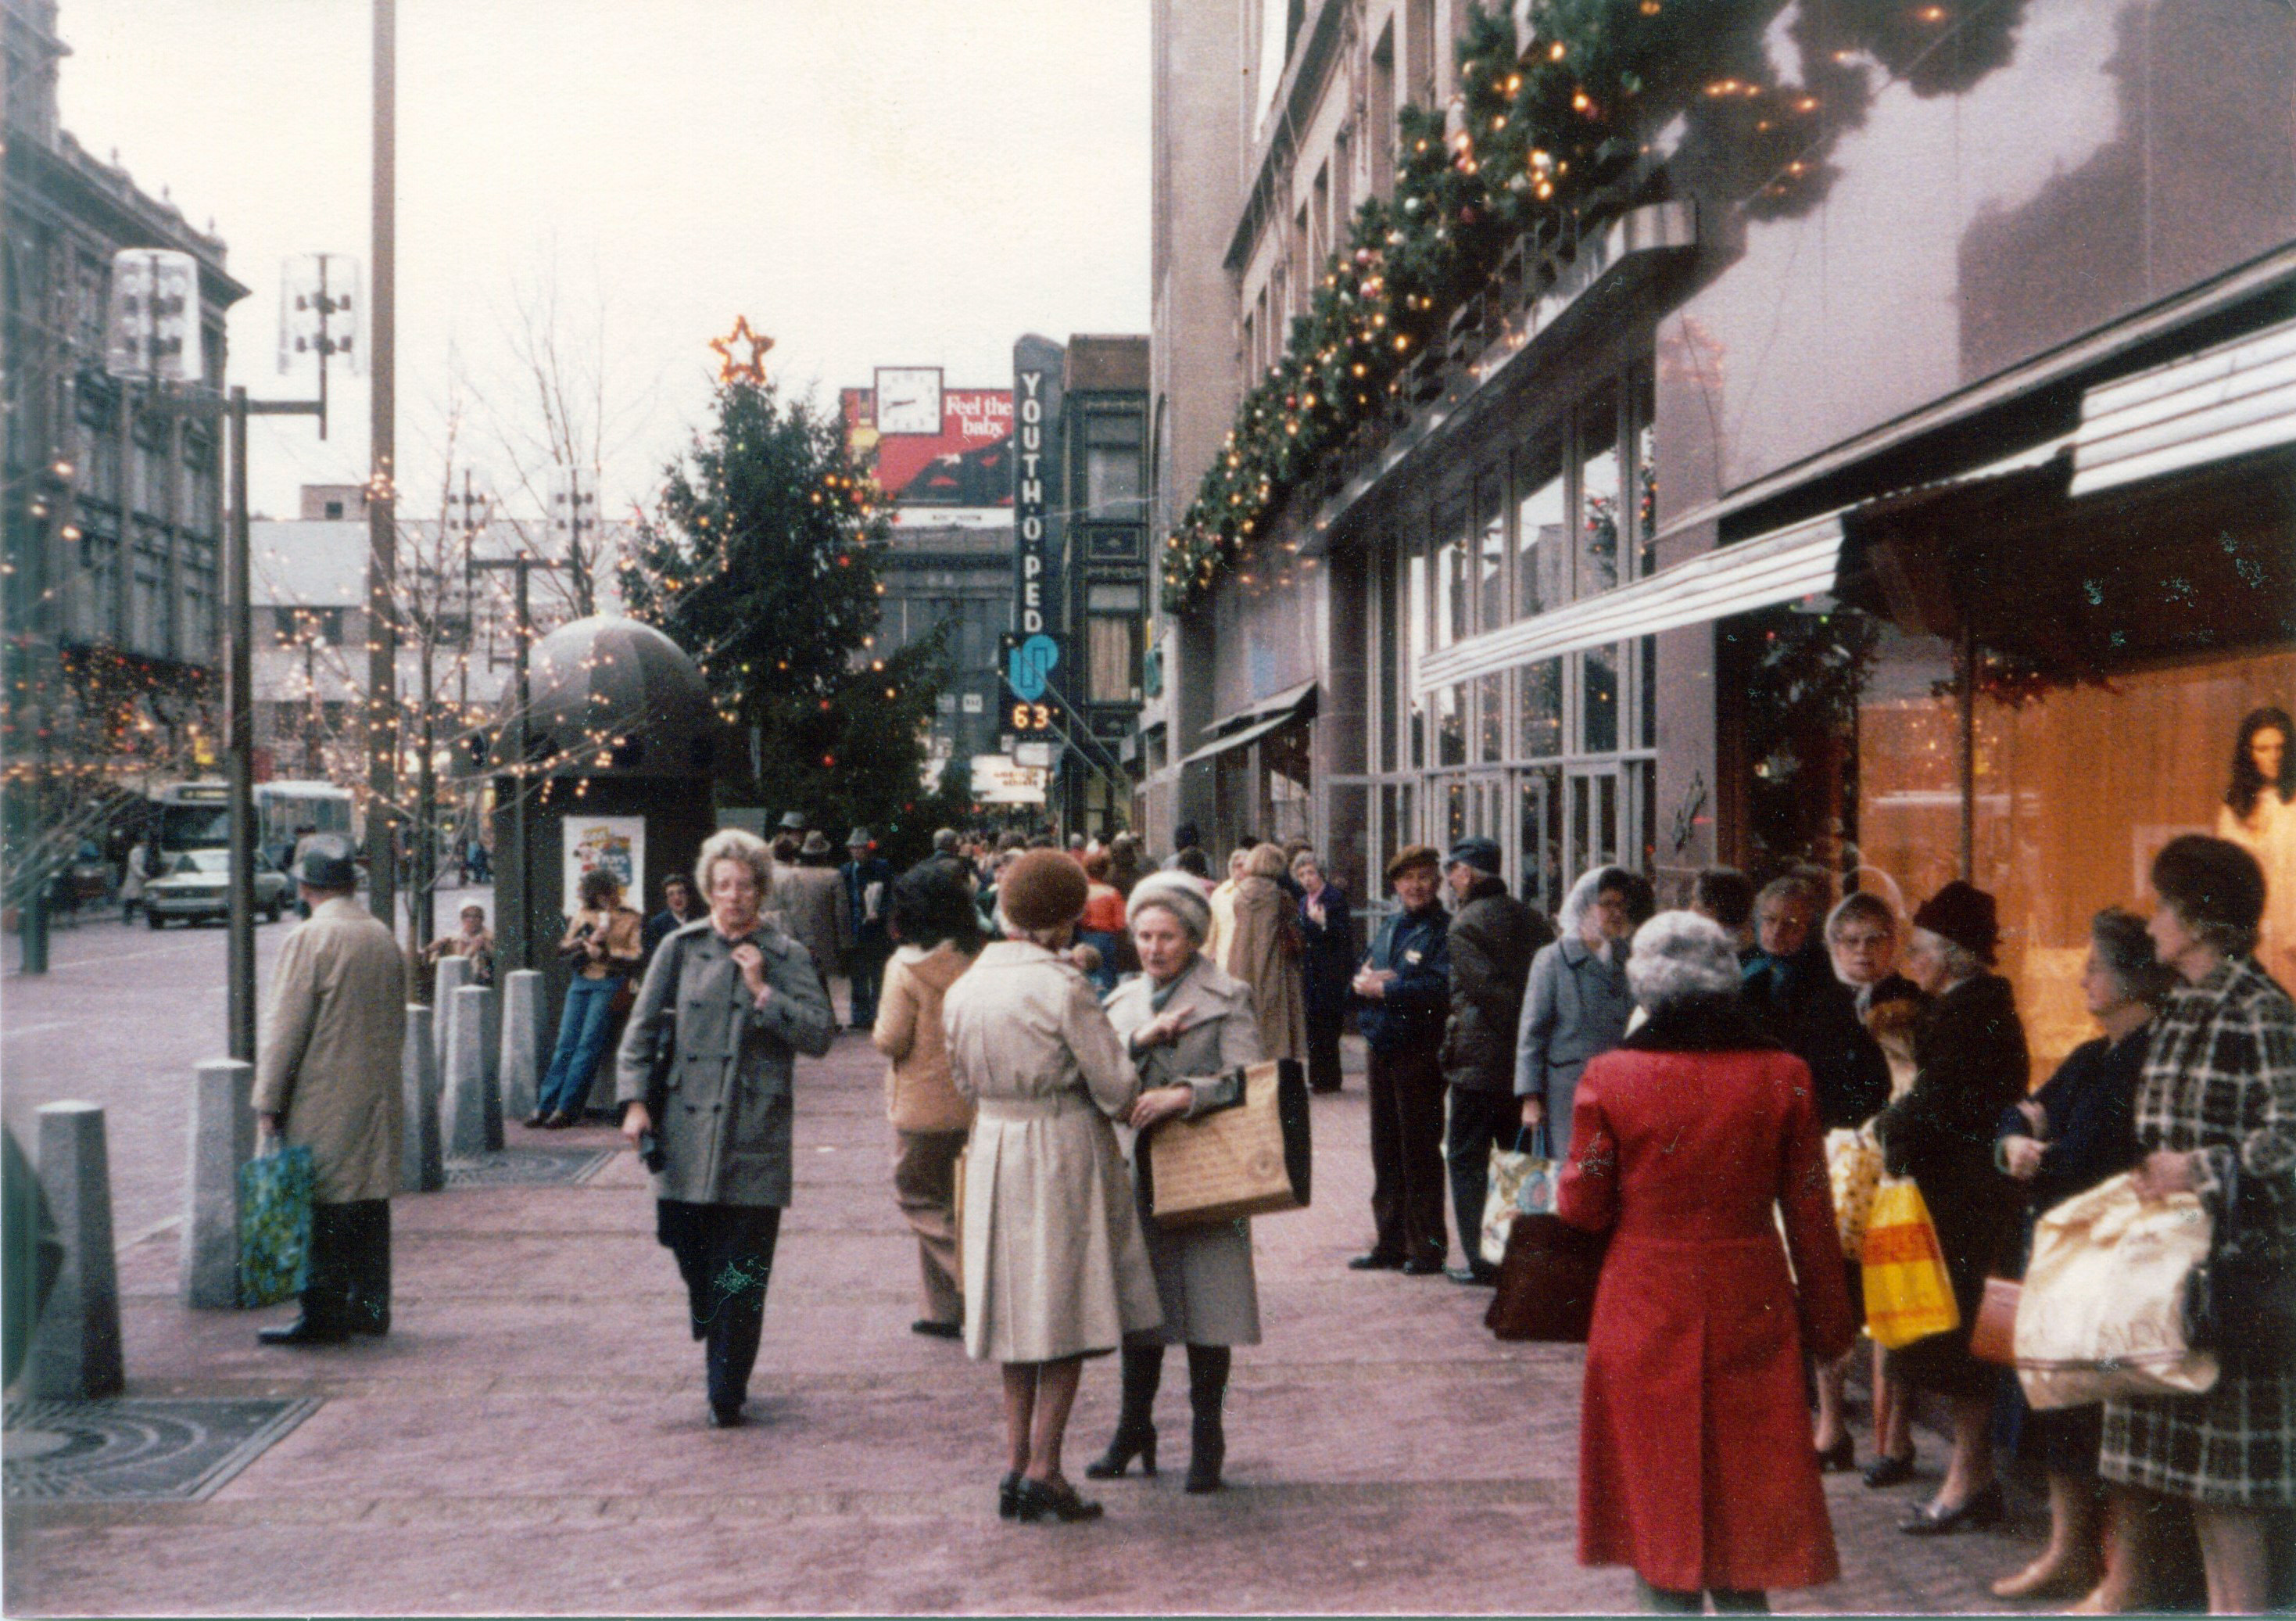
<point x="967" y="463"/>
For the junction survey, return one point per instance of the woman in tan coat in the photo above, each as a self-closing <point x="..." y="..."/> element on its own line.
<point x="940" y="936"/>
<point x="1188" y="1027"/>
<point x="1055" y="1268"/>
<point x="1263" y="949"/>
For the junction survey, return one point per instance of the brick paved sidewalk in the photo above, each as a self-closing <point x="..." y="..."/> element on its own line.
<point x="531" y="1437"/>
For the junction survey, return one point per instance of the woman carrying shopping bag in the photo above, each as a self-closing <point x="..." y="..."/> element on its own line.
<point x="2215" y="1114"/>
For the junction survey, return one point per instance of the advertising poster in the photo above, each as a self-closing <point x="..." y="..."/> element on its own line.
<point x="967" y="463"/>
<point x="615" y="843"/>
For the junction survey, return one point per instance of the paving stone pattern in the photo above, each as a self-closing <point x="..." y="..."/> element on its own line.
<point x="538" y="1401"/>
<point x="138" y="1451"/>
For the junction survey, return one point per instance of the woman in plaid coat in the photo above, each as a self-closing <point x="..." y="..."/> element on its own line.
<point x="2218" y="1097"/>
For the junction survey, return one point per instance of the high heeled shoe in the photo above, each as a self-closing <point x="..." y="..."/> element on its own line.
<point x="1008" y="1496"/>
<point x="1983" y="1508"/>
<point x="1842" y="1455"/>
<point x="1125" y="1447"/>
<point x="1057" y="1498"/>
<point x="1889" y="1471"/>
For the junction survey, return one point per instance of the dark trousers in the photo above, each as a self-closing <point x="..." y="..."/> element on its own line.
<point x="868" y="975"/>
<point x="1324" y="1028"/>
<point x="1407" y="1154"/>
<point x="349" y="1286"/>
<point x="726" y="1255"/>
<point x="1479" y="1122"/>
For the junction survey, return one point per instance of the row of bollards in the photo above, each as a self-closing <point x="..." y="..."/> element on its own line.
<point x="467" y="1059"/>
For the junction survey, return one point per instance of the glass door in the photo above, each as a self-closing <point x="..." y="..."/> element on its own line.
<point x="1595" y="818"/>
<point x="1538" y="852"/>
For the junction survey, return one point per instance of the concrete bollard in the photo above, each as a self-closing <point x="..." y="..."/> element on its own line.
<point x="464" y="1074"/>
<point x="76" y="1347"/>
<point x="421" y="1150"/>
<point x="222" y="1139"/>
<point x="525" y="1042"/>
<point x="491" y="1053"/>
<point x="453" y="972"/>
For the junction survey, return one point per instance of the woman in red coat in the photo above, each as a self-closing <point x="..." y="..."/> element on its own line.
<point x="1694" y="1464"/>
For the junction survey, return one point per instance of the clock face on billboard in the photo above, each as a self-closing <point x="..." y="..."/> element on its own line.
<point x="908" y="400"/>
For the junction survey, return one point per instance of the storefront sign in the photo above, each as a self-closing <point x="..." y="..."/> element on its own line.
<point x="998" y="780"/>
<point x="1032" y="464"/>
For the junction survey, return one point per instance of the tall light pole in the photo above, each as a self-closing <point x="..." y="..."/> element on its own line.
<point x="381" y="503"/>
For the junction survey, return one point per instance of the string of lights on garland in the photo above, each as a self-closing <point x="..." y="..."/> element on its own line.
<point x="1536" y="141"/>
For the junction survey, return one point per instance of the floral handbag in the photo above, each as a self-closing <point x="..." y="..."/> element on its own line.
<point x="275" y="1226"/>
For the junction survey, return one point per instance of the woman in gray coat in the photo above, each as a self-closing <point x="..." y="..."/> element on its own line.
<point x="728" y="1004"/>
<point x="1577" y="1005"/>
<point x="1188" y="1027"/>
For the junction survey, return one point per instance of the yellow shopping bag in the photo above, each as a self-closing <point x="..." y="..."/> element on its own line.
<point x="1908" y="1293"/>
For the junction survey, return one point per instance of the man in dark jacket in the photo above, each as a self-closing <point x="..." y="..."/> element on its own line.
<point x="1492" y="939"/>
<point x="1405" y="987"/>
<point x="868" y="880"/>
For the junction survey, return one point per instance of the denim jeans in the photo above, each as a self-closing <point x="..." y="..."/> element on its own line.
<point x="581" y="1042"/>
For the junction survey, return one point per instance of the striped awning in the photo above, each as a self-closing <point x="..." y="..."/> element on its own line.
<point x="2237" y="397"/>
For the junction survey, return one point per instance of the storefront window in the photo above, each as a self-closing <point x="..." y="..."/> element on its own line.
<point x="1451" y="725"/>
<point x="1490" y="551"/>
<point x="1644" y="484"/>
<point x="1598" y="494"/>
<point x="1452" y="583"/>
<point x="1454" y="814"/>
<point x="1541" y="696"/>
<point x="1390" y="671"/>
<point x="1599" y="711"/>
<point x="1540" y="796"/>
<point x="1415" y="579"/>
<point x="1541" y="527"/>
<point x="1490" y="720"/>
<point x="1647" y="737"/>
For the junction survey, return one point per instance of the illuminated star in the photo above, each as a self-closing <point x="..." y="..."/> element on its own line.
<point x="753" y="369"/>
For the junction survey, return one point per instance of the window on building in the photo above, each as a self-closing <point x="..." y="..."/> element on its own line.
<point x="1643" y="483"/>
<point x="1490" y="719"/>
<point x="1113" y="482"/>
<point x="1419" y="69"/>
<point x="1380" y="136"/>
<point x="1319" y="215"/>
<point x="1415" y="604"/>
<point x="1541" y="528"/>
<point x="1490" y="551"/>
<point x="1389" y="664"/>
<point x="1599" y="526"/>
<point x="1598" y="683"/>
<point x="1454" y="586"/>
<point x="1343" y="186"/>
<point x="1540" y="691"/>
<point x="1451" y="725"/>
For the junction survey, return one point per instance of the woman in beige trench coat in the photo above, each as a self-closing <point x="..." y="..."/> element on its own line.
<point x="1188" y="1027"/>
<point x="1055" y="1268"/>
<point x="1264" y="949"/>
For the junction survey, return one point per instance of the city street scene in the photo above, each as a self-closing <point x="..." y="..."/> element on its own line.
<point x="1388" y="807"/>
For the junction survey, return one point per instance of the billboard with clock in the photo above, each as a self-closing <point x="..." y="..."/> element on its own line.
<point x="928" y="445"/>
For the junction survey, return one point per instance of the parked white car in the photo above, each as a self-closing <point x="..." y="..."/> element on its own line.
<point x="197" y="884"/>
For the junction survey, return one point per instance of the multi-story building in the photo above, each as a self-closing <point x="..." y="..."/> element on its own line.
<point x="113" y="509"/>
<point x="1881" y="464"/>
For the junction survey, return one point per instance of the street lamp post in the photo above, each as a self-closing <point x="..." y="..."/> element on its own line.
<point x="522" y="565"/>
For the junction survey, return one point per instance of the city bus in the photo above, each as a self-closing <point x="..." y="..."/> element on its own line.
<point x="197" y="816"/>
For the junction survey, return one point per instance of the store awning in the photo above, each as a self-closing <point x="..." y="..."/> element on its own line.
<point x="2230" y="400"/>
<point x="1782" y="566"/>
<point x="1255" y="721"/>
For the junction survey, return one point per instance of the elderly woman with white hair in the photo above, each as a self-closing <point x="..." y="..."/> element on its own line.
<point x="1188" y="1027"/>
<point x="706" y="1066"/>
<point x="1695" y="1466"/>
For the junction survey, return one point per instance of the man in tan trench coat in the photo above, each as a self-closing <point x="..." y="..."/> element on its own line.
<point x="328" y="1079"/>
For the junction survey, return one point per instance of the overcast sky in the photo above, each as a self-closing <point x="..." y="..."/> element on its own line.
<point x="872" y="182"/>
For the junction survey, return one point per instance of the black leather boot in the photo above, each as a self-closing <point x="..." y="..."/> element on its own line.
<point x="1208" y="1367"/>
<point x="1136" y="1423"/>
<point x="369" y="1267"/>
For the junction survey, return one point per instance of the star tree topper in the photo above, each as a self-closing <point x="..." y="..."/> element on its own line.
<point x="753" y="369"/>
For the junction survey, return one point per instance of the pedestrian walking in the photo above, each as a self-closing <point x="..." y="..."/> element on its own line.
<point x="1189" y="1027"/>
<point x="1327" y="925"/>
<point x="940" y="936"/>
<point x="867" y="879"/>
<point x="810" y="896"/>
<point x="1969" y="1065"/>
<point x="1223" y="902"/>
<point x="2078" y="1130"/>
<point x="2215" y="1114"/>
<point x="707" y="1070"/>
<point x="1056" y="1267"/>
<point x="138" y="871"/>
<point x="1405" y="985"/>
<point x="1263" y="951"/>
<point x="1102" y="926"/>
<point x="603" y="944"/>
<point x="1493" y="938"/>
<point x="1577" y="1003"/>
<point x="328" y="1080"/>
<point x="679" y="906"/>
<point x="1694" y="1460"/>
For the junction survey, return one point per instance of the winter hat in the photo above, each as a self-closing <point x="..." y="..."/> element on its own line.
<point x="1481" y="854"/>
<point x="815" y="844"/>
<point x="1042" y="889"/>
<point x="1178" y="892"/>
<point x="1411" y="856"/>
<point x="2210" y="881"/>
<point x="1963" y="914"/>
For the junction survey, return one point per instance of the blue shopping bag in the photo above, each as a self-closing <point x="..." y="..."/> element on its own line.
<point x="275" y="1226"/>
